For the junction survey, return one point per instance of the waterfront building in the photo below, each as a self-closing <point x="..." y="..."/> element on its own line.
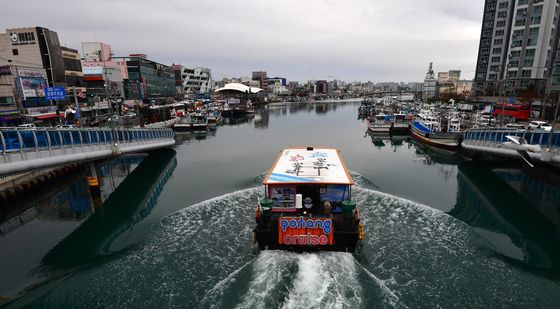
<point x="104" y="75"/>
<point x="429" y="86"/>
<point x="387" y="86"/>
<point x="275" y="86"/>
<point x="442" y="77"/>
<point x="518" y="46"/>
<point x="22" y="94"/>
<point x="196" y="81"/>
<point x="73" y="73"/>
<point x="447" y="82"/>
<point x="177" y="71"/>
<point x="414" y="86"/>
<point x="31" y="59"/>
<point x="148" y="80"/>
<point x="464" y="86"/>
<point x="282" y="80"/>
<point x="261" y="77"/>
<point x="293" y="85"/>
<point x="321" y="86"/>
<point x="368" y="87"/>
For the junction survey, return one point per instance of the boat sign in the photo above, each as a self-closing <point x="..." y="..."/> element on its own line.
<point x="301" y="165"/>
<point x="305" y="231"/>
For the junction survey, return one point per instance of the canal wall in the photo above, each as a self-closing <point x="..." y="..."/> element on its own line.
<point x="12" y="187"/>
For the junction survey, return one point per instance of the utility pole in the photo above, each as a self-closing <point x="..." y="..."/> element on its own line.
<point x="504" y="85"/>
<point x="106" y="84"/>
<point x="554" y="121"/>
<point x="79" y="113"/>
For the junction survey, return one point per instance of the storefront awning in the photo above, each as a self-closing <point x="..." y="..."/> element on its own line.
<point x="45" y="116"/>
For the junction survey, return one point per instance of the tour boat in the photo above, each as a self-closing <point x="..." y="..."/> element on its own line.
<point x="428" y="131"/>
<point x="307" y="204"/>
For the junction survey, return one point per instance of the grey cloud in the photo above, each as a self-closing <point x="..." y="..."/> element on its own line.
<point x="352" y="39"/>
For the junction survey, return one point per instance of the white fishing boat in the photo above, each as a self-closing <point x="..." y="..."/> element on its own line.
<point x="380" y="124"/>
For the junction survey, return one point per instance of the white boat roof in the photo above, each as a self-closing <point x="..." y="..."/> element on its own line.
<point x="309" y="165"/>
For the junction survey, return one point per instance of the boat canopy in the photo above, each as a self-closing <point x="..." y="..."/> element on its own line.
<point x="309" y="165"/>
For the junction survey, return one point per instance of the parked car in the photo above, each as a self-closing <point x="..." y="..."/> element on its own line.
<point x="65" y="126"/>
<point x="27" y="125"/>
<point x="515" y="126"/>
<point x="542" y="125"/>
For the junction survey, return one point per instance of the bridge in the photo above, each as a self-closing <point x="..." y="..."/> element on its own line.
<point x="26" y="149"/>
<point x="489" y="141"/>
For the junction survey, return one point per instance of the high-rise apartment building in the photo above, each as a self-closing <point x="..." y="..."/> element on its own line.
<point x="518" y="46"/>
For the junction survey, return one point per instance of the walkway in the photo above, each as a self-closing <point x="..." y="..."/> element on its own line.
<point x="490" y="141"/>
<point x="24" y="149"/>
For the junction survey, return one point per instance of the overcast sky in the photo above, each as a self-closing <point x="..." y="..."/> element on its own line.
<point x="367" y="40"/>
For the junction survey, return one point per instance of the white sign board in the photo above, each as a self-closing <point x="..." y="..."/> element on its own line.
<point x="300" y="165"/>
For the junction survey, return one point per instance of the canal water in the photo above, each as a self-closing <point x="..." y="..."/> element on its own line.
<point x="173" y="228"/>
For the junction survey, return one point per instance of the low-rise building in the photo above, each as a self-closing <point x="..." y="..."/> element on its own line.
<point x="196" y="81"/>
<point x="73" y="73"/>
<point x="262" y="78"/>
<point x="104" y="75"/>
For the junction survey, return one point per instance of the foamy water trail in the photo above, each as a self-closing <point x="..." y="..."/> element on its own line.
<point x="325" y="280"/>
<point x="202" y="257"/>
<point x="269" y="280"/>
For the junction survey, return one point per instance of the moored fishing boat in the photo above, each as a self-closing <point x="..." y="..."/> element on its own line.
<point x="214" y="117"/>
<point x="380" y="124"/>
<point x="308" y="204"/>
<point x="428" y="131"/>
<point x="400" y="124"/>
<point x="192" y="123"/>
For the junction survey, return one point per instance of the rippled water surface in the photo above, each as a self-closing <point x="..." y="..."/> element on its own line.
<point x="174" y="228"/>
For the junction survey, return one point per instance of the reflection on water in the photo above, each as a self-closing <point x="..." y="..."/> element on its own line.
<point x="394" y="141"/>
<point x="501" y="251"/>
<point x="519" y="226"/>
<point x="67" y="230"/>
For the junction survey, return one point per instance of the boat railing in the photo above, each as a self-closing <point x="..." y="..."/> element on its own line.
<point x="13" y="139"/>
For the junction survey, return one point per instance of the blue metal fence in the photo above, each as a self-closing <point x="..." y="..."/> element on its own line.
<point x="499" y="136"/>
<point x="35" y="139"/>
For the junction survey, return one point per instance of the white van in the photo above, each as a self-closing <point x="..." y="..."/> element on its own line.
<point x="27" y="125"/>
<point x="543" y="125"/>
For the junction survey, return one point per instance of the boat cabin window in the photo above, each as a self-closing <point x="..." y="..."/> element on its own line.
<point x="314" y="197"/>
<point x="282" y="196"/>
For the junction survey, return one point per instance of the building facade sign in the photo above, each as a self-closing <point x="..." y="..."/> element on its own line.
<point x="8" y="112"/>
<point x="31" y="72"/>
<point x="22" y="38"/>
<point x="41" y="110"/>
<point x="31" y="87"/>
<point x="5" y="70"/>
